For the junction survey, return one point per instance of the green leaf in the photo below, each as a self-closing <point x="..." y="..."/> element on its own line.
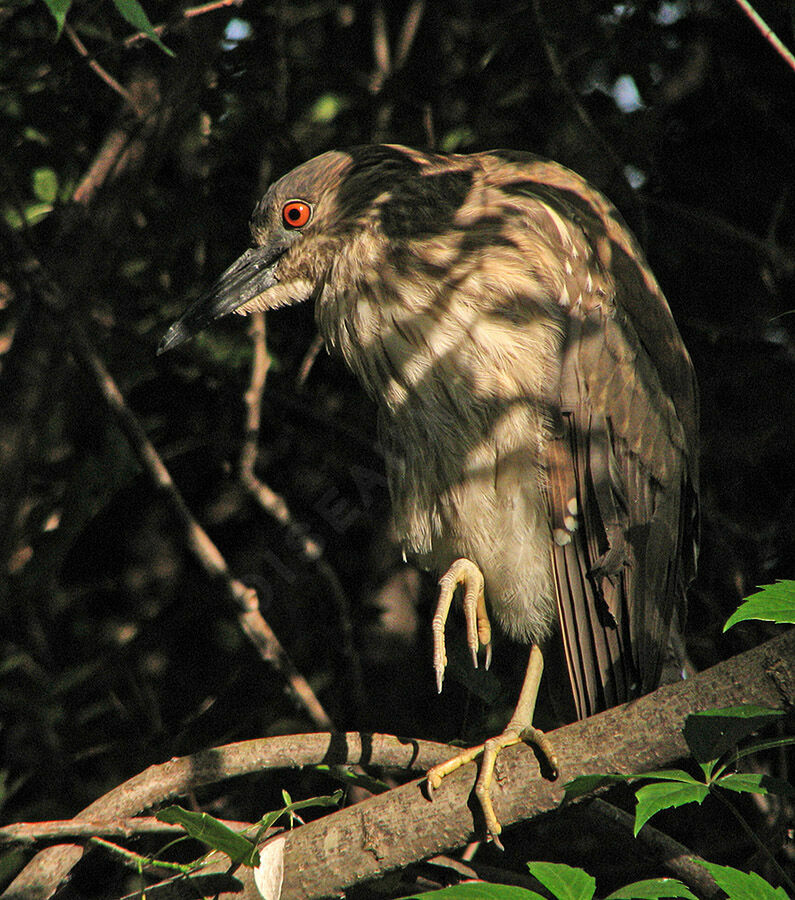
<point x="742" y="885"/>
<point x="45" y="185"/>
<point x="654" y="889"/>
<point x="457" y="138"/>
<point x="773" y="603"/>
<point x="565" y="882"/>
<point x="132" y="11"/>
<point x="33" y="213"/>
<point x="677" y="775"/>
<point x="59" y="9"/>
<point x="213" y="833"/>
<point x="478" y="890"/>
<point x="655" y="797"/>
<point x="753" y="783"/>
<point x="584" y="784"/>
<point x="327" y="107"/>
<point x="713" y="732"/>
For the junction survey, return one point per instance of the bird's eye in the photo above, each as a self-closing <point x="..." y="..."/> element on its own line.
<point x="296" y="213"/>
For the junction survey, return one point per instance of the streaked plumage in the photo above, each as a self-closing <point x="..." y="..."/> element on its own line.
<point x="536" y="402"/>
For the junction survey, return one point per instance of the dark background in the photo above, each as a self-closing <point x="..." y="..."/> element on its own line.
<point x="115" y="652"/>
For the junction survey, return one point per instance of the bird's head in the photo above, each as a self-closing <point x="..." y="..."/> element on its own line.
<point x="303" y="223"/>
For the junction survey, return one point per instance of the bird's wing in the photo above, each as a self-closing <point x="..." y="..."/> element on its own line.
<point x="624" y="459"/>
<point x="620" y="579"/>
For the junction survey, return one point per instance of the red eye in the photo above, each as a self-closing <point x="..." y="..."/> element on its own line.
<point x="296" y="213"/>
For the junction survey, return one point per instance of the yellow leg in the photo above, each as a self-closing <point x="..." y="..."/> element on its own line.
<point x="465" y="573"/>
<point x="520" y="728"/>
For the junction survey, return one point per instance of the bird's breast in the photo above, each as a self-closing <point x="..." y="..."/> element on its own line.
<point x="464" y="419"/>
<point x="464" y="367"/>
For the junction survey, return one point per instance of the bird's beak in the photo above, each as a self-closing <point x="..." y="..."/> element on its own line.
<point x="248" y="277"/>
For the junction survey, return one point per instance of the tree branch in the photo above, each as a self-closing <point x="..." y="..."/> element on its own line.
<point x="391" y="830"/>
<point x="275" y="505"/>
<point x="180" y="776"/>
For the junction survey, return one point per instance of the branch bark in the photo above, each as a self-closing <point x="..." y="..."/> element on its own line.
<point x="394" y="829"/>
<point x="365" y="841"/>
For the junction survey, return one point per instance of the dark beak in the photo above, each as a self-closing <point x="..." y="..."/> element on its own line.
<point x="247" y="278"/>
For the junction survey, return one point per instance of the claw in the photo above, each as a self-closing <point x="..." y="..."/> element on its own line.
<point x="519" y="729"/>
<point x="465" y="573"/>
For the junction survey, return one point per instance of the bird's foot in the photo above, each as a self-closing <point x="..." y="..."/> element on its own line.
<point x="465" y="573"/>
<point x="488" y="751"/>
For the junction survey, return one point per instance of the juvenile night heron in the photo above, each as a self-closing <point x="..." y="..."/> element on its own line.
<point x="537" y="405"/>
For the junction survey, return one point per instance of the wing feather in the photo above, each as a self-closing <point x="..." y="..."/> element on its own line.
<point x="629" y="437"/>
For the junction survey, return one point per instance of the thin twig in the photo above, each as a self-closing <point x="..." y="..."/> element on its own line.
<point x="571" y="95"/>
<point x="254" y="392"/>
<point x="385" y="65"/>
<point x="124" y="144"/>
<point x="309" y="360"/>
<point x="767" y="33"/>
<point x="765" y="247"/>
<point x="198" y="541"/>
<point x="679" y="861"/>
<point x="755" y="839"/>
<point x="102" y="73"/>
<point x="196" y="538"/>
<point x="275" y="505"/>
<point x="191" y="13"/>
<point x="381" y="53"/>
<point x="408" y="32"/>
<point x="427" y="124"/>
<point x="73" y="829"/>
<point x="209" y="7"/>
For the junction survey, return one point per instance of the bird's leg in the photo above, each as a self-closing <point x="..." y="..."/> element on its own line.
<point x="520" y="728"/>
<point x="465" y="573"/>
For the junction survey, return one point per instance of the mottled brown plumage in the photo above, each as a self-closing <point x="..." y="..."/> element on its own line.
<point x="537" y="405"/>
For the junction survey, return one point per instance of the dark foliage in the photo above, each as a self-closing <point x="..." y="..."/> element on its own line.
<point x="114" y="651"/>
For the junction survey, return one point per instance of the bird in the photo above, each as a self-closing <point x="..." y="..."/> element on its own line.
<point x="536" y="403"/>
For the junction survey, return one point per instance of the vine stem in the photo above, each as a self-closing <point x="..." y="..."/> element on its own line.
<point x="755" y="839"/>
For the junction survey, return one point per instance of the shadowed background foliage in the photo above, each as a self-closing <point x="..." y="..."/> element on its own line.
<point x="114" y="650"/>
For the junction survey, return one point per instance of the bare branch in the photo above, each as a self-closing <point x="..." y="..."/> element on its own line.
<point x="572" y="98"/>
<point x="274" y="504"/>
<point x="386" y="66"/>
<point x="124" y="143"/>
<point x="196" y="538"/>
<point x="767" y="33"/>
<point x="679" y="861"/>
<point x="190" y="13"/>
<point x="127" y="827"/>
<point x="180" y="776"/>
<point x="383" y="62"/>
<point x="309" y="360"/>
<point x="766" y="248"/>
<point x="194" y="11"/>
<point x="393" y="829"/>
<point x="408" y="32"/>
<point x="103" y="74"/>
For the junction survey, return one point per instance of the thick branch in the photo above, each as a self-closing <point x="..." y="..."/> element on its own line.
<point x="391" y="830"/>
